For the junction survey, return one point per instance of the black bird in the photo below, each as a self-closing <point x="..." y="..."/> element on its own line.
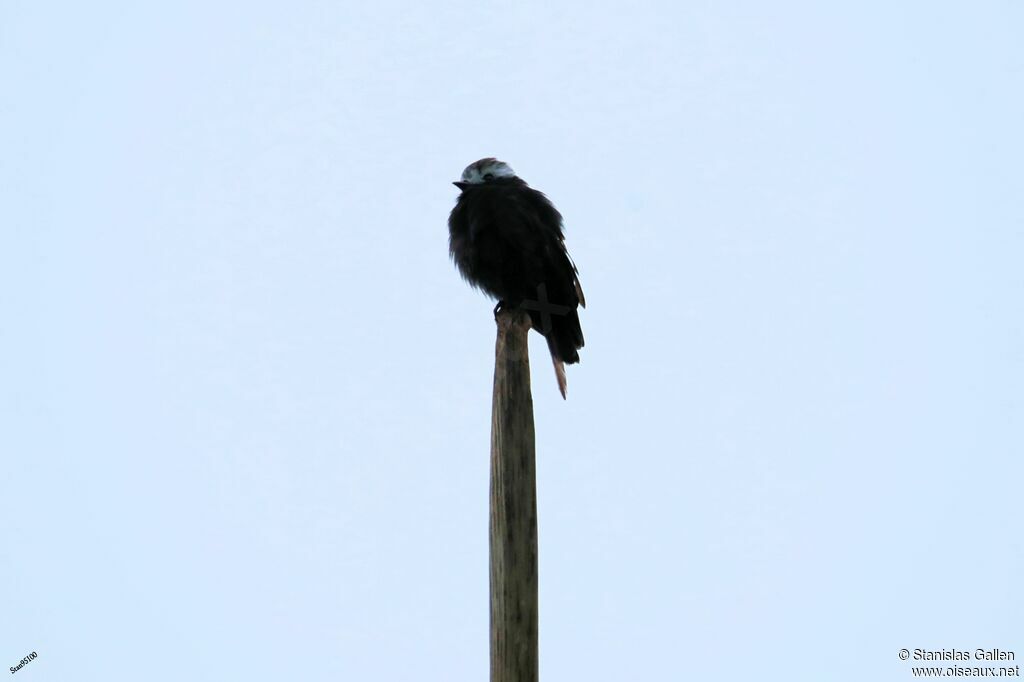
<point x="506" y="239"/>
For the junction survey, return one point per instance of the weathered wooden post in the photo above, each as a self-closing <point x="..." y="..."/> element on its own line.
<point x="513" y="507"/>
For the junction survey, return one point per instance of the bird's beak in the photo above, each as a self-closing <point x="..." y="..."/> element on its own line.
<point x="461" y="185"/>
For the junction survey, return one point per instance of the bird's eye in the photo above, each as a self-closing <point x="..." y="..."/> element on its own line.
<point x="488" y="176"/>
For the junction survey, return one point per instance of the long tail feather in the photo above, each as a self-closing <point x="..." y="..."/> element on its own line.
<point x="560" y="375"/>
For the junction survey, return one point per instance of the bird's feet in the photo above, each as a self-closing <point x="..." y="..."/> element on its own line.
<point x="505" y="306"/>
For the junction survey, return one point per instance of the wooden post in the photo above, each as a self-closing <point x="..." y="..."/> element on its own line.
<point x="513" y="507"/>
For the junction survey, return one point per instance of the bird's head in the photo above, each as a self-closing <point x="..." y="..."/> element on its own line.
<point x="484" y="171"/>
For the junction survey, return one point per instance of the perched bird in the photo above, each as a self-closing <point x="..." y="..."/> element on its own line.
<point x="506" y="239"/>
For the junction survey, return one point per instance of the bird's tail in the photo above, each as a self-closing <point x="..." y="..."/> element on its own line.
<point x="565" y="338"/>
<point x="563" y="384"/>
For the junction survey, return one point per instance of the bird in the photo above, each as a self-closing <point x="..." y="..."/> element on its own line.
<point x="507" y="240"/>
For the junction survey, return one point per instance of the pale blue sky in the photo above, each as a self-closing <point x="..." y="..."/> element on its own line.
<point x="245" y="397"/>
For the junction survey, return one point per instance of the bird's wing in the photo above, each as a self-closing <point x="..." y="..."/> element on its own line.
<point x="575" y="277"/>
<point x="543" y="224"/>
